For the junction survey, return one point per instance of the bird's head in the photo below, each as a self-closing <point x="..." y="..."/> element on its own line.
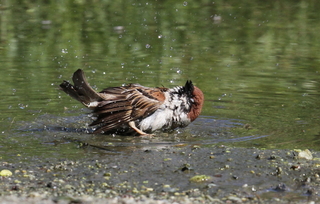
<point x="196" y="98"/>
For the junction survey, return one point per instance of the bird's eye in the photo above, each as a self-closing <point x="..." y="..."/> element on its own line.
<point x="192" y="100"/>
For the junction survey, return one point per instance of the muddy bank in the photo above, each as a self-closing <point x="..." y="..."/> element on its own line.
<point x="167" y="174"/>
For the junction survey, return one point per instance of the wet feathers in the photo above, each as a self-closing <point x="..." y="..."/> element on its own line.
<point x="135" y="108"/>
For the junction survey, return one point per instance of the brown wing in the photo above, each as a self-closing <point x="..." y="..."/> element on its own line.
<point x="124" y="104"/>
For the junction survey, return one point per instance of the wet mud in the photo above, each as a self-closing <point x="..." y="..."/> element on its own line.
<point x="181" y="173"/>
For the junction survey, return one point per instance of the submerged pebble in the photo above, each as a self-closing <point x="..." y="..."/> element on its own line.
<point x="304" y="154"/>
<point x="5" y="173"/>
<point x="200" y="178"/>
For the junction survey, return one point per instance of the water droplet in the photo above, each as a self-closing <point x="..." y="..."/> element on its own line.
<point x="185" y="3"/>
<point x="22" y="106"/>
<point x="148" y="46"/>
<point x="159" y="36"/>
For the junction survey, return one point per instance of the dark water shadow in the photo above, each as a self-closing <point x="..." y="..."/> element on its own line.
<point x="206" y="130"/>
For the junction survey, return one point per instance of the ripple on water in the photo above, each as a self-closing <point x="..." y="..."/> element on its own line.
<point x="51" y="133"/>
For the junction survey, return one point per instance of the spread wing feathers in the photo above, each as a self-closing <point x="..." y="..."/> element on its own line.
<point x="81" y="90"/>
<point x="111" y="121"/>
<point x="125" y="104"/>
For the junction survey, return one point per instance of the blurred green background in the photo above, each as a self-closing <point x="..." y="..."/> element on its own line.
<point x="257" y="62"/>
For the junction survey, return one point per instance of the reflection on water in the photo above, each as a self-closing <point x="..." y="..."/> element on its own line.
<point x="257" y="64"/>
<point x="49" y="133"/>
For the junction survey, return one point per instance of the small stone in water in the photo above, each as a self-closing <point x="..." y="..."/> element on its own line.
<point x="200" y="178"/>
<point x="305" y="154"/>
<point x="5" y="172"/>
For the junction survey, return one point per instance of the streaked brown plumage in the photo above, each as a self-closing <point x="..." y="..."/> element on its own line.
<point x="137" y="109"/>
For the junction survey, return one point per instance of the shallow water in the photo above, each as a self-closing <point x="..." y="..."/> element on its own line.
<point x="257" y="64"/>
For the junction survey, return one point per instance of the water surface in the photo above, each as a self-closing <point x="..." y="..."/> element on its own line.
<point x="256" y="62"/>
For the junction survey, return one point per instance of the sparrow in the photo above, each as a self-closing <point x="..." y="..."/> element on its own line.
<point x="136" y="109"/>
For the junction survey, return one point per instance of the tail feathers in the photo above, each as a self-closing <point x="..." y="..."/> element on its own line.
<point x="81" y="90"/>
